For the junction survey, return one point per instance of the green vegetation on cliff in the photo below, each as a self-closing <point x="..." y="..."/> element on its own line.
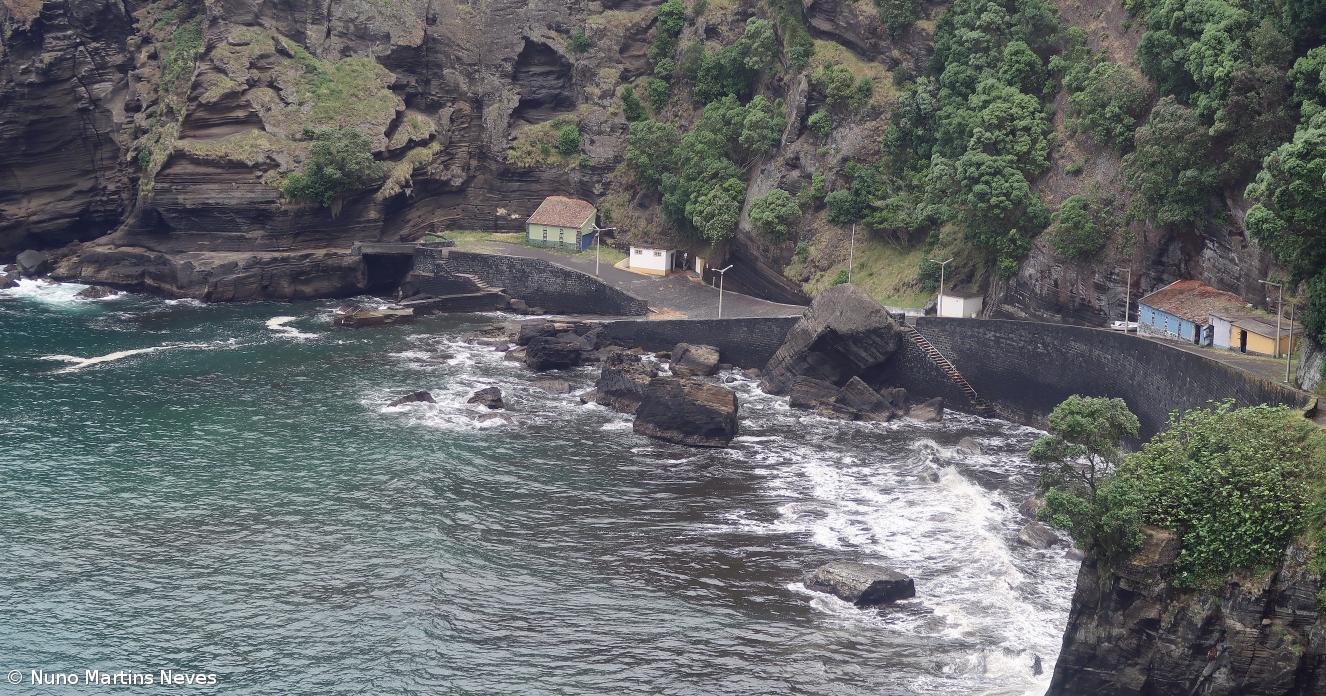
<point x="1236" y="484"/>
<point x="340" y="161"/>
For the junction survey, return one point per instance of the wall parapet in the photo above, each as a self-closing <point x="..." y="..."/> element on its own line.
<point x="746" y="342"/>
<point x="1026" y="368"/>
<point x="540" y="283"/>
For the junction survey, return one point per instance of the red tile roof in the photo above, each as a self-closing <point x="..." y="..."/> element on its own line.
<point x="1194" y="301"/>
<point x="560" y="211"/>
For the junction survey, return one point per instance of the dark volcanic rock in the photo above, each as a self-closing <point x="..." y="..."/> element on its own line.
<point x="844" y="334"/>
<point x="895" y="397"/>
<point x="853" y="401"/>
<point x="687" y="411"/>
<point x="7" y="281"/>
<point x="33" y="263"/>
<point x="863" y="402"/>
<point x="621" y="385"/>
<point x="694" y="361"/>
<point x="1132" y="633"/>
<point x="930" y="411"/>
<point x="1037" y="536"/>
<point x="490" y="397"/>
<point x="862" y="584"/>
<point x="969" y="445"/>
<point x="811" y="393"/>
<point x="419" y="397"/>
<point x="555" y="352"/>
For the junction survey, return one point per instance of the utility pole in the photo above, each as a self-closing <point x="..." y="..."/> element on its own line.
<point x="722" y="273"/>
<point x="939" y="300"/>
<point x="598" y="232"/>
<point x="1279" y="307"/>
<point x="1289" y="356"/>
<point x="851" y="253"/>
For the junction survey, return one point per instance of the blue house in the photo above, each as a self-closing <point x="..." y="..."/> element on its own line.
<point x="1182" y="310"/>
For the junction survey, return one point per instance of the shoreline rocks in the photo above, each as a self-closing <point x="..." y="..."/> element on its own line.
<point x="622" y="381"/>
<point x="687" y="411"/>
<point x="862" y="584"/>
<point x="362" y="317"/>
<point x="418" y="397"/>
<point x="694" y="360"/>
<point x="488" y="397"/>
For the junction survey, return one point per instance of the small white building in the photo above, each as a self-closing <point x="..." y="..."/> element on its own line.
<point x="958" y="306"/>
<point x="652" y="261"/>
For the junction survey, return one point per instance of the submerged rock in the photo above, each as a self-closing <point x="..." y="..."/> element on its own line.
<point x="8" y="281"/>
<point x="554" y="352"/>
<point x="863" y="584"/>
<point x="490" y="397"/>
<point x="844" y="333"/>
<point x="687" y="411"/>
<point x="853" y="401"/>
<point x="418" y="397"/>
<point x="95" y="292"/>
<point x="552" y="385"/>
<point x="357" y="318"/>
<point x="494" y="417"/>
<point x="694" y="360"/>
<point x="969" y="445"/>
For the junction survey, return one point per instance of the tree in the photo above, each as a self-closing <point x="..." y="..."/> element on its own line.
<point x="579" y="42"/>
<point x="715" y="213"/>
<point x="631" y="107"/>
<point x="1077" y="459"/>
<point x="340" y="161"/>
<point x="761" y="127"/>
<point x="1106" y="101"/>
<point x="1168" y="167"/>
<point x="773" y="213"/>
<point x="657" y="92"/>
<point x="1074" y="232"/>
<point x="897" y="15"/>
<point x="568" y="139"/>
<point x="1236" y="484"/>
<point x="820" y="124"/>
<point x="651" y="150"/>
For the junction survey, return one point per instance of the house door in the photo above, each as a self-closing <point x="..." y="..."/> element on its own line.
<point x="1243" y="341"/>
<point x="1196" y="334"/>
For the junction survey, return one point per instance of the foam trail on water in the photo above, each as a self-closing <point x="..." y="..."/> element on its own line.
<point x="45" y="291"/>
<point x="80" y="363"/>
<point x="278" y="325"/>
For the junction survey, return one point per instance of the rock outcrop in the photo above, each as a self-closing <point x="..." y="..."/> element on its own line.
<point x="361" y="317"/>
<point x="853" y="401"/>
<point x="863" y="584"/>
<point x="418" y="397"/>
<point x="1131" y="633"/>
<point x="687" y="411"/>
<point x="488" y="397"/>
<point x="622" y="381"/>
<point x="694" y="360"/>
<point x="845" y="334"/>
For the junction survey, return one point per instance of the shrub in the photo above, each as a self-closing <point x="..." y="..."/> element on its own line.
<point x="820" y="124"/>
<point x="772" y="214"/>
<point x="651" y="150"/>
<point x="1106" y="101"/>
<point x="1075" y="232"/>
<point x="631" y="107"/>
<point x="1169" y="168"/>
<point x="657" y="92"/>
<point x="842" y="90"/>
<point x="340" y="161"/>
<point x="579" y="42"/>
<point x="568" y="139"/>
<point x="839" y="278"/>
<point x="1236" y="484"/>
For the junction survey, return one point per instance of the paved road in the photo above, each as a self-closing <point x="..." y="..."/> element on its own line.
<point x="673" y="297"/>
<point x="1264" y="366"/>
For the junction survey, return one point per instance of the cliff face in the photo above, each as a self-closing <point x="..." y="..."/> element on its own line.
<point x="1131" y="634"/>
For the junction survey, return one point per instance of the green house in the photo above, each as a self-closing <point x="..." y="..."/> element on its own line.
<point x="566" y="223"/>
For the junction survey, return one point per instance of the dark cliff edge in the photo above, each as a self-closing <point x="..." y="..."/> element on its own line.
<point x="1130" y="633"/>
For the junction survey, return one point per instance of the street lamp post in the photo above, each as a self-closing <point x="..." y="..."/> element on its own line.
<point x="939" y="299"/>
<point x="1279" y="308"/>
<point x="722" y="273"/>
<point x="1127" y="298"/>
<point x="598" y="232"/>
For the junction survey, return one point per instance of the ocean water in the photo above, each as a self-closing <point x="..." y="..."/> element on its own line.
<point x="222" y="490"/>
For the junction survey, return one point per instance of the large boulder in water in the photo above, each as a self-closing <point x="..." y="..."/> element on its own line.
<point x="843" y="334"/>
<point x="687" y="411"/>
<point x="694" y="361"/>
<point x="418" y="397"/>
<point x="33" y="263"/>
<point x="95" y="292"/>
<point x="357" y="318"/>
<point x="8" y="281"/>
<point x="555" y="352"/>
<point x="489" y="397"/>
<point x="862" y="584"/>
<point x="931" y="411"/>
<point x="853" y="401"/>
<point x="622" y="382"/>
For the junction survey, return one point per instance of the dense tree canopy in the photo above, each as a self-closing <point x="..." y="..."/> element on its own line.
<point x="340" y="161"/>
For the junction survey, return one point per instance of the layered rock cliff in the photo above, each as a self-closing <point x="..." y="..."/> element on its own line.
<point x="1130" y="633"/>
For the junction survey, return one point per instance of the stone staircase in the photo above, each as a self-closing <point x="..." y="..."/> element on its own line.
<point x="978" y="405"/>
<point x="444" y="264"/>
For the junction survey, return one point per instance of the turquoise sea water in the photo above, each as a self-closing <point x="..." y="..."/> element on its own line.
<point x="236" y="499"/>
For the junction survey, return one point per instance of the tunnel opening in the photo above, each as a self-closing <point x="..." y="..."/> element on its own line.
<point x="384" y="273"/>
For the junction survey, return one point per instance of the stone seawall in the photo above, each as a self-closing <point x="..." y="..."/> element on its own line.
<point x="1025" y="368"/>
<point x="542" y="284"/>
<point x="741" y="342"/>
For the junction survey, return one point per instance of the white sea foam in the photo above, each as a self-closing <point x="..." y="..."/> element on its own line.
<point x="77" y="363"/>
<point x="45" y="291"/>
<point x="279" y="326"/>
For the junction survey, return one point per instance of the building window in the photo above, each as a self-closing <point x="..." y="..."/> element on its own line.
<point x="545" y="234"/>
<point x="657" y="252"/>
